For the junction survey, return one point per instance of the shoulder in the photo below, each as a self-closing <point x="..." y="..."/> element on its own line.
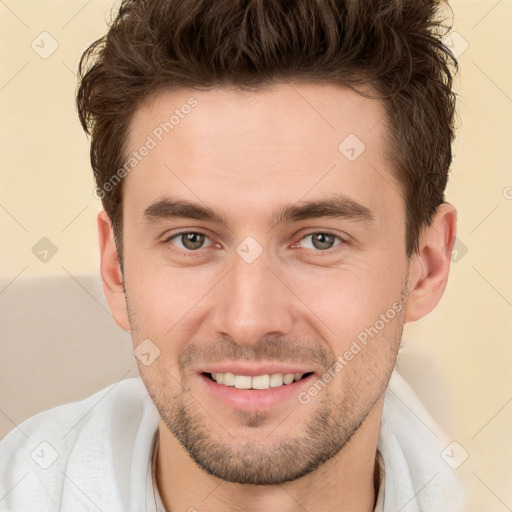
<point x="76" y="444"/>
<point x="413" y="448"/>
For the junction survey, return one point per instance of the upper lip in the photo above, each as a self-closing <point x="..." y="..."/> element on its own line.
<point x="253" y="370"/>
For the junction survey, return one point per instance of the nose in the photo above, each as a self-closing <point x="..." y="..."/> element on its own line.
<point x="253" y="302"/>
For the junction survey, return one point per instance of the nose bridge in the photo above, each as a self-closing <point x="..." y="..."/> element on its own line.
<point x="252" y="302"/>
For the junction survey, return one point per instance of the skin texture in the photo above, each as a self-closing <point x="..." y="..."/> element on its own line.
<point x="244" y="155"/>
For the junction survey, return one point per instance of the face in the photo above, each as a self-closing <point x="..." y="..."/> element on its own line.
<point x="256" y="249"/>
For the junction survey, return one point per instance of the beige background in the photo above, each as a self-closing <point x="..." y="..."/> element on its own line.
<point x="46" y="191"/>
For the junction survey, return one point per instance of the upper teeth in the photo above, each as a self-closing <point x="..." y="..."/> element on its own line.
<point x="266" y="381"/>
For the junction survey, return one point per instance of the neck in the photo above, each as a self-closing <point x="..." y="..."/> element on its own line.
<point x="346" y="482"/>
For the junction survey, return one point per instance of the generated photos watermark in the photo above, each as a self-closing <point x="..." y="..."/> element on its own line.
<point x="152" y="140"/>
<point x="357" y="345"/>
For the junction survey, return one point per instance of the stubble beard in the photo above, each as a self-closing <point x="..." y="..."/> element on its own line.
<point x="336" y="417"/>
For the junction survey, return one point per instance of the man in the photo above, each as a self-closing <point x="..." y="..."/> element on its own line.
<point x="272" y="176"/>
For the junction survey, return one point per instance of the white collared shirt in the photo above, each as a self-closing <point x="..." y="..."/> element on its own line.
<point x="96" y="454"/>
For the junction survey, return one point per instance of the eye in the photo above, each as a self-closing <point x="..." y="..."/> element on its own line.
<point x="321" y="241"/>
<point x="188" y="241"/>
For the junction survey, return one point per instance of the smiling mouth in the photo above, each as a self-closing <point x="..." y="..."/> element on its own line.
<point x="261" y="382"/>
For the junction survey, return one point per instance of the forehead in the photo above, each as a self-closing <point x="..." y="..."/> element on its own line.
<point x="328" y="110"/>
<point x="281" y="143"/>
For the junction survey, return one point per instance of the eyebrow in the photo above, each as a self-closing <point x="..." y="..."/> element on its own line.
<point x="334" y="206"/>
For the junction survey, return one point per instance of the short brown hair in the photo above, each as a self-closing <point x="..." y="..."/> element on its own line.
<point x="394" y="47"/>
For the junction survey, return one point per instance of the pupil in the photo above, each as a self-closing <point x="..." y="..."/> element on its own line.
<point x="192" y="240"/>
<point x="325" y="241"/>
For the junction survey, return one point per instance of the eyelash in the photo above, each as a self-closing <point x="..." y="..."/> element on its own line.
<point x="190" y="253"/>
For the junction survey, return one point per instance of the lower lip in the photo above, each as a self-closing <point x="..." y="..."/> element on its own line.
<point x="254" y="400"/>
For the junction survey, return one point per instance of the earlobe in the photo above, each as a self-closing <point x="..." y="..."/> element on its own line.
<point x="431" y="264"/>
<point x="110" y="270"/>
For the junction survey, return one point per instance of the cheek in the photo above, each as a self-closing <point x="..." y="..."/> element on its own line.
<point x="346" y="300"/>
<point x="167" y="305"/>
<point x="338" y="301"/>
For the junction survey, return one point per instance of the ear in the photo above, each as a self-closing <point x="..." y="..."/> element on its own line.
<point x="111" y="272"/>
<point x="430" y="266"/>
